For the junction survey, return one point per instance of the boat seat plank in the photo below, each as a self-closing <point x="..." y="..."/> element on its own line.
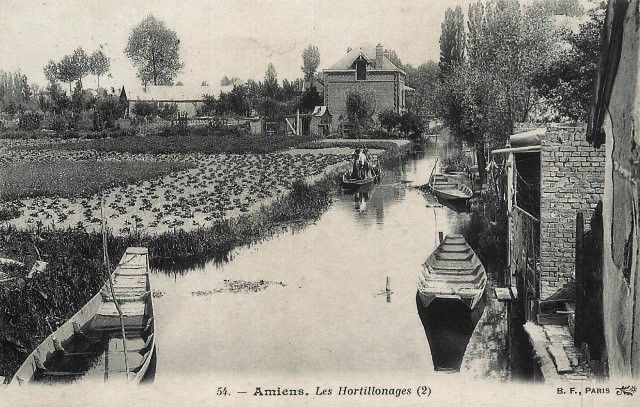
<point x="462" y="256"/>
<point x="128" y="309"/>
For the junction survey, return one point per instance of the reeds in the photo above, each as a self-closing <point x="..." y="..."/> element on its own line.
<point x="75" y="271"/>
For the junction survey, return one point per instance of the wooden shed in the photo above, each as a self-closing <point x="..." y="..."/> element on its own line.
<point x="320" y="121"/>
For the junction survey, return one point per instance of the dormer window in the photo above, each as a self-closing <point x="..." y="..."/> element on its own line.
<point x="361" y="69"/>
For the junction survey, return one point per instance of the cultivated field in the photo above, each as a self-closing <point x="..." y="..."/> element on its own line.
<point x="60" y="185"/>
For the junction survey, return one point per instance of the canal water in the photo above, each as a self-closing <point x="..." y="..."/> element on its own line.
<point x="312" y="303"/>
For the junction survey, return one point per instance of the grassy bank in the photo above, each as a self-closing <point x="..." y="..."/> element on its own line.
<point x="29" y="311"/>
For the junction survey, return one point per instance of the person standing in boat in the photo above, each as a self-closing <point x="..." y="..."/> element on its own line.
<point x="355" y="172"/>
<point x="368" y="171"/>
<point x="362" y="164"/>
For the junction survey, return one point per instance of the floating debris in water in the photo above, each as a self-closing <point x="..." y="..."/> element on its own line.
<point x="236" y="286"/>
<point x="158" y="294"/>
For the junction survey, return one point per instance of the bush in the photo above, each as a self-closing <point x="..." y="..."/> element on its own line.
<point x="168" y="112"/>
<point x="456" y="163"/>
<point x="106" y="113"/>
<point x="30" y="121"/>
<point x="144" y="109"/>
<point x="9" y="211"/>
<point x="411" y="125"/>
<point x="58" y="124"/>
<point x="389" y="120"/>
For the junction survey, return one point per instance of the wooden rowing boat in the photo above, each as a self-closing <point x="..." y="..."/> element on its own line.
<point x="453" y="271"/>
<point x="446" y="188"/>
<point x="450" y="300"/>
<point x="90" y="344"/>
<point x="354" y="183"/>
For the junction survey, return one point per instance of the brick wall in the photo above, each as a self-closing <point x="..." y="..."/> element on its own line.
<point x="572" y="181"/>
<point x="383" y="89"/>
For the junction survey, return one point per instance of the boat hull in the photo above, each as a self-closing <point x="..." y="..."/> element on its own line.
<point x="350" y="183"/>
<point x="446" y="189"/>
<point x="452" y="272"/>
<point x="89" y="345"/>
<point x="450" y="300"/>
<point x="448" y="325"/>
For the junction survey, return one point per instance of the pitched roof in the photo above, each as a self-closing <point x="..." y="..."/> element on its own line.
<point x="320" y="111"/>
<point x="367" y="51"/>
<point x="176" y="93"/>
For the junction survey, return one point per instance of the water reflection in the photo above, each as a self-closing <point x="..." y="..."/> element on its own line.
<point x="326" y="316"/>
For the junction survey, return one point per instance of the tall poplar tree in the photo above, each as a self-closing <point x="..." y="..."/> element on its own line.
<point x="452" y="40"/>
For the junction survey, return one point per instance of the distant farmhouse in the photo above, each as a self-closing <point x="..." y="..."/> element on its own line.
<point x="369" y="71"/>
<point x="188" y="99"/>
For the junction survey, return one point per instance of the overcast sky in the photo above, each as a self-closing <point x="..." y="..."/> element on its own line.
<point x="232" y="37"/>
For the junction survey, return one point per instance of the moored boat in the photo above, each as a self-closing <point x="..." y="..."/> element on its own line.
<point x="90" y="344"/>
<point x="453" y="271"/>
<point x="451" y="300"/>
<point x="446" y="188"/>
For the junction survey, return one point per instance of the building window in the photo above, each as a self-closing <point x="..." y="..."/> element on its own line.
<point x="361" y="70"/>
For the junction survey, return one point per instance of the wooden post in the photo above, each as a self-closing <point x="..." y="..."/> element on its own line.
<point x="388" y="290"/>
<point x="440" y="237"/>
<point x="579" y="273"/>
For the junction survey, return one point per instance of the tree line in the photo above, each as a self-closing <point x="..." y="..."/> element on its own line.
<point x="513" y="63"/>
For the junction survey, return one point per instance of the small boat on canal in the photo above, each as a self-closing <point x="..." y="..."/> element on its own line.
<point x="451" y="300"/>
<point x="448" y="189"/>
<point x="91" y="344"/>
<point x="355" y="183"/>
<point x="453" y="271"/>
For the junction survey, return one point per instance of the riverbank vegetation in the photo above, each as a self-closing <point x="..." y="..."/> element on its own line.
<point x="511" y="63"/>
<point x="31" y="309"/>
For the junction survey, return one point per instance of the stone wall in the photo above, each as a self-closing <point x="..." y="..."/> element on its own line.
<point x="621" y="209"/>
<point x="572" y="181"/>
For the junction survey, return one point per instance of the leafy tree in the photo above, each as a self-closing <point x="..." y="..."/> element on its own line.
<point x="81" y="62"/>
<point x="66" y="71"/>
<point x="310" y="62"/>
<point x="26" y="90"/>
<point x="226" y="81"/>
<point x="289" y="90"/>
<point x="571" y="8"/>
<point x="99" y="64"/>
<point x="452" y="40"/>
<point x="270" y="84"/>
<point x="154" y="50"/>
<point x="310" y="99"/>
<point x="51" y="71"/>
<point x="424" y="80"/>
<point x="567" y="82"/>
<point x="359" y="112"/>
<point x="77" y="99"/>
<point x="210" y="105"/>
<point x="507" y="45"/>
<point x="411" y="126"/>
<point x="60" y="100"/>
<point x="389" y="120"/>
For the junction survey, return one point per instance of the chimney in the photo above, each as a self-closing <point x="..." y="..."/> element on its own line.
<point x="379" y="56"/>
